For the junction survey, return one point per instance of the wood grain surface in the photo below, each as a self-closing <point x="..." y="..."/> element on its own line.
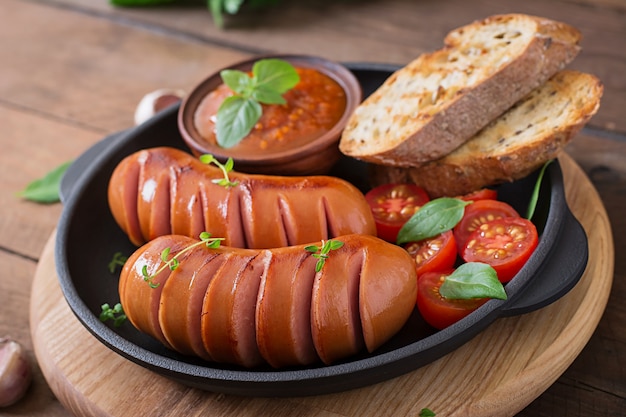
<point x="498" y="373"/>
<point x="72" y="71"/>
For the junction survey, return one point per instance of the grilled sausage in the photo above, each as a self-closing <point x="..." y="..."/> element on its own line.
<point x="253" y="306"/>
<point x="163" y="191"/>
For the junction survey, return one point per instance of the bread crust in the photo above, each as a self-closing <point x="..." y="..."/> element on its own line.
<point x="459" y="111"/>
<point x="531" y="133"/>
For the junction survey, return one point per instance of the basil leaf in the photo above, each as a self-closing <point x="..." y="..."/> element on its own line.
<point x="473" y="280"/>
<point x="238" y="114"/>
<point x="235" y="119"/>
<point x="46" y="189"/>
<point x="238" y="81"/>
<point x="274" y="74"/>
<point x="267" y="96"/>
<point x="532" y="205"/>
<point x="435" y="217"/>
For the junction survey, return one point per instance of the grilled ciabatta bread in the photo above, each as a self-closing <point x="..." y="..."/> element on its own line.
<point x="433" y="105"/>
<point x="520" y="141"/>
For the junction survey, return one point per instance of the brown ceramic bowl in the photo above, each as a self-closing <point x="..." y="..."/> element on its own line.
<point x="314" y="157"/>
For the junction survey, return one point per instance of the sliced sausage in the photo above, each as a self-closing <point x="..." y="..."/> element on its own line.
<point x="248" y="306"/>
<point x="162" y="191"/>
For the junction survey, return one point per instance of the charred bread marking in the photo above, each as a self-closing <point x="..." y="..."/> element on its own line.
<point x="162" y="191"/>
<point x="430" y="107"/>
<point x="531" y="133"/>
<point x="247" y="306"/>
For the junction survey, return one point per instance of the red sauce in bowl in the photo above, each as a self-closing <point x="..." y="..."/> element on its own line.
<point x="313" y="107"/>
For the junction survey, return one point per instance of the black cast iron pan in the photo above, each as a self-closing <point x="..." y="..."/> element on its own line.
<point x="87" y="239"/>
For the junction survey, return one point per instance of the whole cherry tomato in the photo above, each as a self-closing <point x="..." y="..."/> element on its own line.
<point x="437" y="253"/>
<point x="392" y="205"/>
<point x="504" y="243"/>
<point x="436" y="310"/>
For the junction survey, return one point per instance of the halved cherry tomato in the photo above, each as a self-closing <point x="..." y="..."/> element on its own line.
<point x="436" y="310"/>
<point x="435" y="254"/>
<point x="392" y="205"/>
<point x="505" y="244"/>
<point x="482" y="194"/>
<point x="477" y="213"/>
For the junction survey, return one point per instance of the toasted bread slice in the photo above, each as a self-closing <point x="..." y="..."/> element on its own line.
<point x="430" y="107"/>
<point x="520" y="141"/>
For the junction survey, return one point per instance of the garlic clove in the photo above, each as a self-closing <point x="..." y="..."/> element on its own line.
<point x="15" y="372"/>
<point x="155" y="101"/>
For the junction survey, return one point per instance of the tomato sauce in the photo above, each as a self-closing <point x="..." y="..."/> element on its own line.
<point x="313" y="106"/>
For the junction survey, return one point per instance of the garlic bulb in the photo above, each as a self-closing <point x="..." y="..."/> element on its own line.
<point x="156" y="101"/>
<point x="15" y="372"/>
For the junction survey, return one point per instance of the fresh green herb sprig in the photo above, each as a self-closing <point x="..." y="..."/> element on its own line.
<point x="173" y="262"/>
<point x="426" y="412"/>
<point x="116" y="314"/>
<point x="321" y="253"/>
<point x="238" y="114"/>
<point x="226" y="168"/>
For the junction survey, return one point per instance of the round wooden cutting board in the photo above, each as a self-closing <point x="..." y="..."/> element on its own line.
<point x="497" y="373"/>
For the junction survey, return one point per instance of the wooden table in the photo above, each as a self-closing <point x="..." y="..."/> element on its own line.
<point x="72" y="71"/>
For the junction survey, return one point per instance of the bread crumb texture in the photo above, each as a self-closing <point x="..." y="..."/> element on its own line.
<point x="435" y="101"/>
<point x="531" y="133"/>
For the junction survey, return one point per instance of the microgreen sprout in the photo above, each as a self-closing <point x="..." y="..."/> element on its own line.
<point x="173" y="262"/>
<point x="116" y="314"/>
<point x="118" y="260"/>
<point x="225" y="168"/>
<point x="324" y="250"/>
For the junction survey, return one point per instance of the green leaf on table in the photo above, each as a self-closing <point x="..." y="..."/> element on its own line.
<point x="45" y="190"/>
<point x="473" y="280"/>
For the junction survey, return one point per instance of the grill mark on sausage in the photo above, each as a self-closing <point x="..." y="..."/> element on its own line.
<point x="287" y="221"/>
<point x="161" y="205"/>
<point x="335" y="317"/>
<point x="227" y="324"/>
<point x="181" y="302"/>
<point x="326" y="217"/>
<point x="130" y="203"/>
<point x="244" y="210"/>
<point x="283" y="314"/>
<point x="357" y="260"/>
<point x="136" y="295"/>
